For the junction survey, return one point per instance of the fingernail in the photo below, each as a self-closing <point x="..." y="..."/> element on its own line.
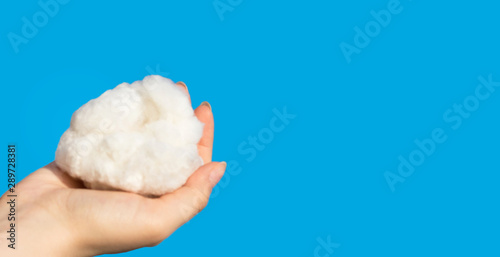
<point x="217" y="173"/>
<point x="207" y="105"/>
<point x="180" y="83"/>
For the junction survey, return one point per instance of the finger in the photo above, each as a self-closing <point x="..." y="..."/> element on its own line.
<point x="184" y="88"/>
<point x="205" y="146"/>
<point x="190" y="199"/>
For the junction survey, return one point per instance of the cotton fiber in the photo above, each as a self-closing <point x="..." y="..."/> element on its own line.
<point x="140" y="137"/>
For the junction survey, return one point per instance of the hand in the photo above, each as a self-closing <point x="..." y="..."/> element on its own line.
<point x="57" y="216"/>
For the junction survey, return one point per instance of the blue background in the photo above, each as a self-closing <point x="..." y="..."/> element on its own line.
<point x="323" y="175"/>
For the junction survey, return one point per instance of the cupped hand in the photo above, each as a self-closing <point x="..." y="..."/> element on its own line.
<point x="57" y="216"/>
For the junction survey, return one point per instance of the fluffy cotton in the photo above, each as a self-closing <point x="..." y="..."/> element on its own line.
<point x="140" y="137"/>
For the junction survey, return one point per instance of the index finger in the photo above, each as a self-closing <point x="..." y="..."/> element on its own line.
<point x="205" y="146"/>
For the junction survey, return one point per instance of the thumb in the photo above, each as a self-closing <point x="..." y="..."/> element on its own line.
<point x="191" y="198"/>
<point x="148" y="221"/>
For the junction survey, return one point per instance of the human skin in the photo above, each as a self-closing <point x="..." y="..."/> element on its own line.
<point x="57" y="216"/>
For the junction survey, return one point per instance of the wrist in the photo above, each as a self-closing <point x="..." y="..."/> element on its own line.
<point x="35" y="233"/>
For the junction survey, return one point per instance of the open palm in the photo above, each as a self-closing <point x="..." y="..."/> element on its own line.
<point x="58" y="216"/>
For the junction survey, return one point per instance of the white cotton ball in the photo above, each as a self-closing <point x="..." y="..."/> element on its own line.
<point x="140" y="137"/>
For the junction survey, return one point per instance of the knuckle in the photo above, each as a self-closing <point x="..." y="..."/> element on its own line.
<point x="198" y="201"/>
<point x="153" y="244"/>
